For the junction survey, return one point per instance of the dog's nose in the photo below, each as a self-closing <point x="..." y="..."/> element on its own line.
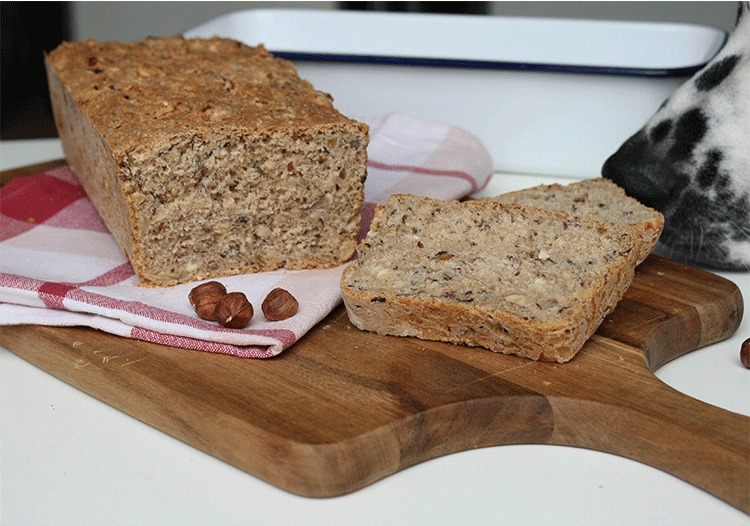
<point x="632" y="169"/>
<point x="610" y="170"/>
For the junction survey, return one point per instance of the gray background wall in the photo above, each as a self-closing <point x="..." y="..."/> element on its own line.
<point x="132" y="20"/>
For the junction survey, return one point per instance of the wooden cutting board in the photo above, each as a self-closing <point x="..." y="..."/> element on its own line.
<point x="343" y="408"/>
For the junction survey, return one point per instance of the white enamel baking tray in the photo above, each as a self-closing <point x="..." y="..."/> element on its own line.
<point x="545" y="96"/>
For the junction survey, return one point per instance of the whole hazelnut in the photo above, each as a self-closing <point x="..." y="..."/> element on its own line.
<point x="745" y="353"/>
<point x="279" y="305"/>
<point x="204" y="298"/>
<point x="233" y="311"/>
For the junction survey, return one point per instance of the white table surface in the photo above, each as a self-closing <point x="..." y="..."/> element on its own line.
<point x="69" y="459"/>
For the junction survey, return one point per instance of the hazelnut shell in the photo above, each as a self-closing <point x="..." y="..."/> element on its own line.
<point x="204" y="298"/>
<point x="279" y="305"/>
<point x="233" y="311"/>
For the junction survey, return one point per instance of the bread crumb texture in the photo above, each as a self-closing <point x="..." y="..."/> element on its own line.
<point x="599" y="199"/>
<point x="208" y="158"/>
<point x="514" y="279"/>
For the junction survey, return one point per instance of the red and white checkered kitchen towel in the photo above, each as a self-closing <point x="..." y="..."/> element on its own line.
<point x="59" y="265"/>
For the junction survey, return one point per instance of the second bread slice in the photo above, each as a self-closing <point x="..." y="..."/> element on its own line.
<point x="513" y="279"/>
<point x="599" y="199"/>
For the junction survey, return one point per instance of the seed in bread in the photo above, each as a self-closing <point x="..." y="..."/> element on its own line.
<point x="208" y="158"/>
<point x="600" y="199"/>
<point x="513" y="279"/>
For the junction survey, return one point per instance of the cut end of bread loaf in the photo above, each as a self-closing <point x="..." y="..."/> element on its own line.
<point x="513" y="279"/>
<point x="599" y="199"/>
<point x="247" y="203"/>
<point x="208" y="158"/>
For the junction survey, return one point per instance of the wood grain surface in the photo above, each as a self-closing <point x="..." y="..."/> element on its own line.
<point x="343" y="408"/>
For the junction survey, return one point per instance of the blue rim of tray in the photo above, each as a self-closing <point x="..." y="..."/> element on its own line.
<point x="489" y="64"/>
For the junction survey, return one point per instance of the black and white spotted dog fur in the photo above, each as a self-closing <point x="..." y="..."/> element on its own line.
<point x="691" y="161"/>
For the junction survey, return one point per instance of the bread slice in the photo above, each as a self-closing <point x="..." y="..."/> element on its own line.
<point x="600" y="199"/>
<point x="513" y="279"/>
<point x="207" y="157"/>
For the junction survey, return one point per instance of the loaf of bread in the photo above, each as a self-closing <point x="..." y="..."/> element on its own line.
<point x="600" y="199"/>
<point x="514" y="279"/>
<point x="207" y="157"/>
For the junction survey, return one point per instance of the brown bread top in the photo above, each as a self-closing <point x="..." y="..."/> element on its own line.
<point x="219" y="84"/>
